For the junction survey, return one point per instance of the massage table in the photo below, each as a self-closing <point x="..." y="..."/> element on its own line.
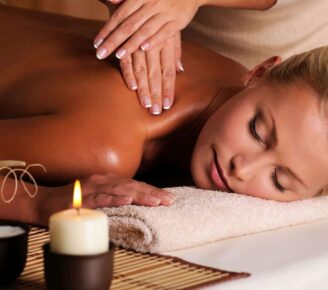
<point x="293" y="258"/>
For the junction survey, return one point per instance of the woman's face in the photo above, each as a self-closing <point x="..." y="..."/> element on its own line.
<point x="267" y="142"/>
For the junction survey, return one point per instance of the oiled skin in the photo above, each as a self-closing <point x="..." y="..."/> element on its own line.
<point x="62" y="107"/>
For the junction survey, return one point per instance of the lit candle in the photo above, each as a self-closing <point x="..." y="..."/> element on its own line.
<point x="10" y="231"/>
<point x="79" y="231"/>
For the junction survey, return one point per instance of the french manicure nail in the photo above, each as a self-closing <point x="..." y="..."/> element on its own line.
<point x="168" y="199"/>
<point x="145" y="46"/>
<point x="146" y="101"/>
<point x="102" y="53"/>
<point x="166" y="104"/>
<point x="155" y="109"/>
<point x="154" y="200"/>
<point x="133" y="85"/>
<point x="98" y="43"/>
<point x="180" y="66"/>
<point x="120" y="53"/>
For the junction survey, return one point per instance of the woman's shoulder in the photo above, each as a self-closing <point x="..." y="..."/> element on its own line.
<point x="209" y="65"/>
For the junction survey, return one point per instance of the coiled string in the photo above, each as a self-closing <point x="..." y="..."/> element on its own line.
<point x="7" y="165"/>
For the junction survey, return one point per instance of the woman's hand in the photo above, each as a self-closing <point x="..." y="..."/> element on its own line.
<point x="143" y="24"/>
<point x="112" y="190"/>
<point x="152" y="74"/>
<point x="100" y="191"/>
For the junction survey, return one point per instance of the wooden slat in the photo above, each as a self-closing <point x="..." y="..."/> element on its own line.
<point x="131" y="270"/>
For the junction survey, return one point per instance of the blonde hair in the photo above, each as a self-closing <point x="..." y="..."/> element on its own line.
<point x="310" y="67"/>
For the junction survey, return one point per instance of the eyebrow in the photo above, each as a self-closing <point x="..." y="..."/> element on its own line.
<point x="274" y="141"/>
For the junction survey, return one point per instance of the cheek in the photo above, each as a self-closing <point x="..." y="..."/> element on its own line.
<point x="232" y="129"/>
<point x="262" y="187"/>
<point x="258" y="186"/>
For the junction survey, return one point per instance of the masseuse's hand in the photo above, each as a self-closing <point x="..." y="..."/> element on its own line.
<point x="143" y="24"/>
<point x="98" y="191"/>
<point x="152" y="74"/>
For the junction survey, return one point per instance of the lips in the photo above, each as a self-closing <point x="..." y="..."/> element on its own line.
<point x="217" y="174"/>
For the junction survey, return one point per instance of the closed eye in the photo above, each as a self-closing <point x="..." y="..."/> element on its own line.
<point x="252" y="128"/>
<point x="257" y="137"/>
<point x="276" y="182"/>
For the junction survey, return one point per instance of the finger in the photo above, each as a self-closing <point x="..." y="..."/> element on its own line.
<point x="119" y="16"/>
<point x="104" y="200"/>
<point x="150" y="195"/>
<point x="165" y="32"/>
<point x="138" y="38"/>
<point x="178" y="52"/>
<point x="168" y="62"/>
<point x="111" y="194"/>
<point x="166" y="198"/>
<point x="155" y="80"/>
<point x="128" y="74"/>
<point x="124" y="31"/>
<point x="144" y="199"/>
<point x="141" y="75"/>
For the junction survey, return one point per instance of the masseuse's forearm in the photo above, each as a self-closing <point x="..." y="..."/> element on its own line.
<point x="241" y="4"/>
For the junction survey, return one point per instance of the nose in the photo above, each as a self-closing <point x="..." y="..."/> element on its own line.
<point x="245" y="167"/>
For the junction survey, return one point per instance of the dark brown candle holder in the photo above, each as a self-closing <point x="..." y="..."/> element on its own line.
<point x="13" y="253"/>
<point x="78" y="272"/>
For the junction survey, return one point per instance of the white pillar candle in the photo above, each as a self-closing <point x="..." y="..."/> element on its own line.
<point x="79" y="231"/>
<point x="10" y="231"/>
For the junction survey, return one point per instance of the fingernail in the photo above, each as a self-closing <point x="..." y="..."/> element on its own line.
<point x="168" y="199"/>
<point x="145" y="46"/>
<point x="102" y="53"/>
<point x="155" y="109"/>
<point x="166" y="104"/>
<point x="146" y="101"/>
<point x="180" y="66"/>
<point x="98" y="43"/>
<point x="133" y="85"/>
<point x="154" y="200"/>
<point x="120" y="53"/>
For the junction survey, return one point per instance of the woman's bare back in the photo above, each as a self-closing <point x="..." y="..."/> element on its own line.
<point x="62" y="107"/>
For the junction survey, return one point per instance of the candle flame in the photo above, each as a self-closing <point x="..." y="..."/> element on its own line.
<point x="77" y="196"/>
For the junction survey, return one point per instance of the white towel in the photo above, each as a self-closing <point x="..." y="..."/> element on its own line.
<point x="201" y="216"/>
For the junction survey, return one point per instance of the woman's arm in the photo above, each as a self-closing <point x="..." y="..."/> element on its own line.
<point x="241" y="4"/>
<point x="22" y="208"/>
<point x="147" y="23"/>
<point x="151" y="71"/>
<point x="98" y="191"/>
<point x="247" y="4"/>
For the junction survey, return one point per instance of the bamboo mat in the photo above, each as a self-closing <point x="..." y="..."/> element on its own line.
<point x="132" y="270"/>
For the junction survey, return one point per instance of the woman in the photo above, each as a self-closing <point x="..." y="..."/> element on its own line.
<point x="237" y="130"/>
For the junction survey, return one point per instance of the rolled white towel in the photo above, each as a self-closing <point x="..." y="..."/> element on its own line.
<point x="201" y="216"/>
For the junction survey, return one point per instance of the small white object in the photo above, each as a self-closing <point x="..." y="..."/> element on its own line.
<point x="79" y="232"/>
<point x="10" y="231"/>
